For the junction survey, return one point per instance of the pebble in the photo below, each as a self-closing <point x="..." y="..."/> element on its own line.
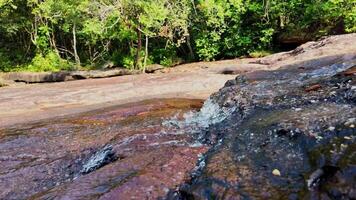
<point x="350" y="122"/>
<point x="318" y="137"/>
<point x="343" y="146"/>
<point x="331" y="128"/>
<point x="347" y="138"/>
<point x="276" y="172"/>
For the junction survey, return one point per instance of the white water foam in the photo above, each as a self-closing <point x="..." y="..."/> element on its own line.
<point x="211" y="113"/>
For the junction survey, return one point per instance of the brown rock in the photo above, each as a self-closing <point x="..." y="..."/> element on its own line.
<point x="313" y="88"/>
<point x="350" y="72"/>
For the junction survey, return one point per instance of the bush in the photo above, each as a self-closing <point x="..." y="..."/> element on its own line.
<point x="128" y="62"/>
<point x="49" y="62"/>
<point x="260" y="54"/>
<point x="164" y="56"/>
<point x="124" y="59"/>
<point x="5" y="62"/>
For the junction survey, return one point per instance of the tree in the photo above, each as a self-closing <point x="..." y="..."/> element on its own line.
<point x="155" y="18"/>
<point x="134" y="33"/>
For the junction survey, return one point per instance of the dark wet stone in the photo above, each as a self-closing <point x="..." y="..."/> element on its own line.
<point x="321" y="175"/>
<point x="239" y="80"/>
<point x="100" y="158"/>
<point x="294" y="119"/>
<point x="178" y="195"/>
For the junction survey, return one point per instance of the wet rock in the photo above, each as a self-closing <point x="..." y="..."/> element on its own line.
<point x="350" y="122"/>
<point x="239" y="80"/>
<point x="100" y="158"/>
<point x="321" y="175"/>
<point x="350" y="72"/>
<point x="296" y="119"/>
<point x="74" y="157"/>
<point x="313" y="88"/>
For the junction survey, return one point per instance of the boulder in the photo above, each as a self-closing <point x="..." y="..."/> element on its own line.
<point x="153" y="68"/>
<point x="102" y="73"/>
<point x="44" y="77"/>
<point x="322" y="52"/>
<point x="29" y="77"/>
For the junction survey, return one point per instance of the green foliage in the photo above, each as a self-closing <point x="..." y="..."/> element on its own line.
<point x="164" y="56"/>
<point x="259" y="53"/>
<point x="5" y="62"/>
<point x="233" y="28"/>
<point x="50" y="62"/>
<point x="350" y="20"/>
<point x="124" y="59"/>
<point x="50" y="34"/>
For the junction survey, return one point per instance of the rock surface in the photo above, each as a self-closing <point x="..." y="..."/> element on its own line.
<point x="101" y="73"/>
<point x="298" y="119"/>
<point x="45" y="77"/>
<point x="29" y="77"/>
<point x="121" y="152"/>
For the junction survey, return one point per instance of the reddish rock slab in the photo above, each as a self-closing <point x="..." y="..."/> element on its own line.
<point x="44" y="159"/>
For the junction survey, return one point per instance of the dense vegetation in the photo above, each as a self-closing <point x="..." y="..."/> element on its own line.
<point x="52" y="35"/>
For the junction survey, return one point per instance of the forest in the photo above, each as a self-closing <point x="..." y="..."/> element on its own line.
<point x="55" y="35"/>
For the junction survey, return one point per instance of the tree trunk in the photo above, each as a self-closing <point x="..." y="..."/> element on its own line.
<point x="146" y="55"/>
<point x="76" y="56"/>
<point x="54" y="44"/>
<point x="138" y="50"/>
<point x="34" y="32"/>
<point x="191" y="53"/>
